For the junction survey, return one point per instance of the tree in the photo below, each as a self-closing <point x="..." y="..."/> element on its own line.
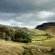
<point x="1" y="35"/>
<point x="22" y="36"/>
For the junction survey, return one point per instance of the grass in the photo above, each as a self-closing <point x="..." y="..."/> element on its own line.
<point x="43" y="46"/>
<point x="10" y="48"/>
<point x="17" y="48"/>
<point x="41" y="38"/>
<point x="49" y="43"/>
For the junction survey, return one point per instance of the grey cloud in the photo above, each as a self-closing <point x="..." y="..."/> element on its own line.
<point x="25" y="12"/>
<point x="20" y="6"/>
<point x="25" y="19"/>
<point x="51" y="19"/>
<point x="19" y="19"/>
<point x="15" y="6"/>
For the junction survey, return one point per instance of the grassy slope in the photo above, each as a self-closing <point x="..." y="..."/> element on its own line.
<point x="12" y="48"/>
<point x="46" y="47"/>
<point x="39" y="35"/>
<point x="51" y="29"/>
<point x="50" y="42"/>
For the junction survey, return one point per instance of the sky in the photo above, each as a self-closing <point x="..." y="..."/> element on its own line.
<point x="26" y="13"/>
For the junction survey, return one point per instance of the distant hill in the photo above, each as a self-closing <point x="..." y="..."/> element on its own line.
<point x="45" y="25"/>
<point x="10" y="28"/>
<point x="50" y="27"/>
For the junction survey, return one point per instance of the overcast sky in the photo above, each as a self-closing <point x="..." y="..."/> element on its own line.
<point x="26" y="13"/>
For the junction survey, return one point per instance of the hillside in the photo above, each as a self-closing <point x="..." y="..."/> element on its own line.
<point x="12" y="48"/>
<point x="46" y="26"/>
<point x="49" y="27"/>
<point x="39" y="45"/>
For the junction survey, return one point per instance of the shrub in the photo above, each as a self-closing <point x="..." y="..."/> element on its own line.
<point x="1" y="35"/>
<point x="22" y="36"/>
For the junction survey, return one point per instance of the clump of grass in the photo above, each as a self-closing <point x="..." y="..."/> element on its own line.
<point x="27" y="52"/>
<point x="10" y="49"/>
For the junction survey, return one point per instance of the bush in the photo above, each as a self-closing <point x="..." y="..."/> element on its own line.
<point x="22" y="36"/>
<point x="1" y="35"/>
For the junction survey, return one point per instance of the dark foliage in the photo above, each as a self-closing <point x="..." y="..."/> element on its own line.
<point x="22" y="36"/>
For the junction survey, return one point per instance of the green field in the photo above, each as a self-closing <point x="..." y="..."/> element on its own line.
<point x="40" y="38"/>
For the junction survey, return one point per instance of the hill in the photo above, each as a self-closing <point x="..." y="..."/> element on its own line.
<point x="46" y="26"/>
<point x="49" y="27"/>
<point x="39" y="45"/>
